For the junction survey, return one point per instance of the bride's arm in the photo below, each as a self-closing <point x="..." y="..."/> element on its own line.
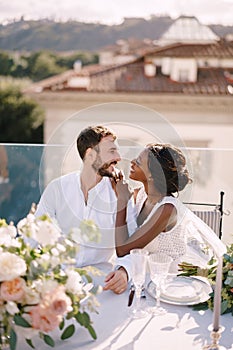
<point x="163" y="219"/>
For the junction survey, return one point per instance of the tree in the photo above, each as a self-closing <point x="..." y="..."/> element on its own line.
<point x="21" y="119"/>
<point x="6" y="63"/>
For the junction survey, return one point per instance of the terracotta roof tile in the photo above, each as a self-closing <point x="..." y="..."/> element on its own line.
<point x="210" y="81"/>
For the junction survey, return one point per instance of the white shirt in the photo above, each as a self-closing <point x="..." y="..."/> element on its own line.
<point x="64" y="200"/>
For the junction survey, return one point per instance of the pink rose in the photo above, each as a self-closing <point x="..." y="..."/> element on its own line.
<point x="57" y="302"/>
<point x="43" y="320"/>
<point x="13" y="290"/>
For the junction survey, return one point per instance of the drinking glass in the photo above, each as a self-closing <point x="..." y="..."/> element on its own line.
<point x="139" y="264"/>
<point x="159" y="264"/>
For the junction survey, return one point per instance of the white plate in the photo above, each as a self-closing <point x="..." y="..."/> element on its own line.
<point x="181" y="290"/>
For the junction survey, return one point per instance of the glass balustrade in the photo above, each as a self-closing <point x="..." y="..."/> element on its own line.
<point x="26" y="169"/>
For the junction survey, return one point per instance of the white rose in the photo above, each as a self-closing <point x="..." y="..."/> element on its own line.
<point x="47" y="233"/>
<point x="5" y="238"/>
<point x="12" y="230"/>
<point x="74" y="283"/>
<point x="27" y="227"/>
<point x="11" y="266"/>
<point x="32" y="296"/>
<point x="48" y="286"/>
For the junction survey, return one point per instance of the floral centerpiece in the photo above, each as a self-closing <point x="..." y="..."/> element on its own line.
<point x="40" y="288"/>
<point x="210" y="273"/>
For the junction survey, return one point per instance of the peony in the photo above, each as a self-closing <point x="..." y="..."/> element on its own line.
<point x="13" y="290"/>
<point x="57" y="302"/>
<point x="44" y="320"/>
<point x="11" y="266"/>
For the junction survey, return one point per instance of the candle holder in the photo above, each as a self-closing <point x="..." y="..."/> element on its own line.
<point x="215" y="337"/>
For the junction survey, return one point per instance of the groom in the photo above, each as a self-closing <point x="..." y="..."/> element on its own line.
<point x="90" y="194"/>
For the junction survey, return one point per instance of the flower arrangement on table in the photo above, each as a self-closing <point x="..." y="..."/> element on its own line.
<point x="210" y="273"/>
<point x="40" y="288"/>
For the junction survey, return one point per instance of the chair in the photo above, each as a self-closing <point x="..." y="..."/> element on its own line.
<point x="212" y="217"/>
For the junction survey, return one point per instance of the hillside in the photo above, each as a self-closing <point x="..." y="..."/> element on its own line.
<point x="72" y="35"/>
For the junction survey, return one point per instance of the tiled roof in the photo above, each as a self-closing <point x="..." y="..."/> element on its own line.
<point x="219" y="49"/>
<point x="130" y="77"/>
<point x="211" y="81"/>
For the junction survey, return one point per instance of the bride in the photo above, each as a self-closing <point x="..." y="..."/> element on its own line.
<point x="163" y="222"/>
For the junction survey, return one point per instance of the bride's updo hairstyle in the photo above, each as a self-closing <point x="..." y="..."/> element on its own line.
<point x="167" y="165"/>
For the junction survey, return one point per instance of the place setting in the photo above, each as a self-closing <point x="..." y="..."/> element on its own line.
<point x="162" y="286"/>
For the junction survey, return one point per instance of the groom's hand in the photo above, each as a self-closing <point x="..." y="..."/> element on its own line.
<point x="117" y="281"/>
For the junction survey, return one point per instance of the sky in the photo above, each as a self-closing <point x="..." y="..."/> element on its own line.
<point x="114" y="11"/>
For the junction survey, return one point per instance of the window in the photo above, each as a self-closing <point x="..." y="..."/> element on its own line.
<point x="183" y="75"/>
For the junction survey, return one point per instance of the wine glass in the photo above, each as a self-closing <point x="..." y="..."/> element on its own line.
<point x="159" y="264"/>
<point x="139" y="264"/>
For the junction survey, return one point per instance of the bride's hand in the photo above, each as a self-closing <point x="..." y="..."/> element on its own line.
<point x="123" y="190"/>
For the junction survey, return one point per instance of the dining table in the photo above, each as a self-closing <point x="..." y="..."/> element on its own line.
<point x="181" y="327"/>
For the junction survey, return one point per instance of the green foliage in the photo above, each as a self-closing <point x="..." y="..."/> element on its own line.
<point x="84" y="320"/>
<point x="29" y="342"/>
<point x="44" y="66"/>
<point x="39" y="65"/>
<point x="13" y="339"/>
<point x="20" y="321"/>
<point x="21" y="118"/>
<point x="210" y="273"/>
<point x="68" y="332"/>
<point x="48" y="340"/>
<point x="6" y="63"/>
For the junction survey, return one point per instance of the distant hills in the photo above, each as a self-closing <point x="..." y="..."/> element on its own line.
<point x="76" y="36"/>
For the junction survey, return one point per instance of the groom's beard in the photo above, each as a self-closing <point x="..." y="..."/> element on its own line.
<point x="102" y="170"/>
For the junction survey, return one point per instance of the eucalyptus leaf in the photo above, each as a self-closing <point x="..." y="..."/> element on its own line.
<point x="79" y="318"/>
<point x="20" y="321"/>
<point x="13" y="339"/>
<point x="29" y="342"/>
<point x="48" y="340"/>
<point x="86" y="319"/>
<point x="92" y="331"/>
<point x="68" y="332"/>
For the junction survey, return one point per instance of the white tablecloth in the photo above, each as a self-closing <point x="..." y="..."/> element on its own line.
<point x="180" y="328"/>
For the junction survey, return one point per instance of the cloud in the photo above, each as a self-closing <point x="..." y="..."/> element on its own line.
<point x="111" y="11"/>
